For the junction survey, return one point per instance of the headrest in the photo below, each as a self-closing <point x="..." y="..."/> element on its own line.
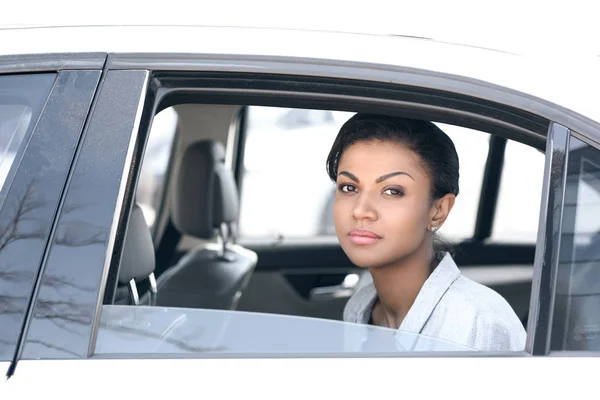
<point x="206" y="195"/>
<point x="137" y="261"/>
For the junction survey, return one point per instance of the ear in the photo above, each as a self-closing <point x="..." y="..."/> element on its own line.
<point x="441" y="209"/>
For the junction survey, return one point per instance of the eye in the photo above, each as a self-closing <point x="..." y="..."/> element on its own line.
<point x="394" y="192"/>
<point x="347" y="188"/>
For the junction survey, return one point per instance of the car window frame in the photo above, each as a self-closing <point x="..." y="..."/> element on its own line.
<point x="165" y="91"/>
<point x="51" y="140"/>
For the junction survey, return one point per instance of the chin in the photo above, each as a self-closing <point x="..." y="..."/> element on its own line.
<point x="364" y="260"/>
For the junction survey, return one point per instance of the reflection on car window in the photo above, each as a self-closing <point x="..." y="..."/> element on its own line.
<point x="15" y="119"/>
<point x="156" y="160"/>
<point x="301" y="140"/>
<point x="576" y="324"/>
<point x="160" y="330"/>
<point x="27" y="210"/>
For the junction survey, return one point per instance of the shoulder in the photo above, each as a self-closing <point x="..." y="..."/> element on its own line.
<point x="477" y="297"/>
<point x="494" y="324"/>
<point x="357" y="307"/>
<point x="470" y="294"/>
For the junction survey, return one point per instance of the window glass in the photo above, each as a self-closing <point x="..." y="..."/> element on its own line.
<point x="14" y="121"/>
<point x="30" y="189"/>
<point x="576" y="324"/>
<point x="287" y="148"/>
<point x="518" y="206"/>
<point x="16" y="114"/>
<point x="171" y="330"/>
<point x="156" y="161"/>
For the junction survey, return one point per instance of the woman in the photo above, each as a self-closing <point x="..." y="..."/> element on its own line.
<point x="397" y="180"/>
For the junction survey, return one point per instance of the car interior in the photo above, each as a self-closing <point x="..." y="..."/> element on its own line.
<point x="218" y="223"/>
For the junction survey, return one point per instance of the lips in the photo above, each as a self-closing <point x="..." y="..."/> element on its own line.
<point x="363" y="237"/>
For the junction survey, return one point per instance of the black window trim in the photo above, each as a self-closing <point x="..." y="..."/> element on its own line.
<point x="346" y="95"/>
<point x="541" y="305"/>
<point x="125" y="199"/>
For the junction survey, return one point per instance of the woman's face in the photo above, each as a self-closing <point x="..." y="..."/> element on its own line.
<point x="382" y="208"/>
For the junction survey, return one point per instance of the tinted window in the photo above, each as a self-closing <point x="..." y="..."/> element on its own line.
<point x="42" y="120"/>
<point x="303" y="139"/>
<point x="22" y="99"/>
<point x="576" y="323"/>
<point x="21" y="102"/>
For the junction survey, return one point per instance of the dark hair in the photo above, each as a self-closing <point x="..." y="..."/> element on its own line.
<point x="433" y="146"/>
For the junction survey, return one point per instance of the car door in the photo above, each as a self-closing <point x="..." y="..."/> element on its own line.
<point x="44" y="103"/>
<point x="59" y="346"/>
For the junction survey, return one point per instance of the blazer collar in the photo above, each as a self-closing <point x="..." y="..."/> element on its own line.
<point x="440" y="280"/>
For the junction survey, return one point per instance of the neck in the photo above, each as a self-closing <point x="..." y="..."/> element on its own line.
<point x="399" y="284"/>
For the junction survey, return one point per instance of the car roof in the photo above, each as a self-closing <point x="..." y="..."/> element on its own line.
<point x="573" y="84"/>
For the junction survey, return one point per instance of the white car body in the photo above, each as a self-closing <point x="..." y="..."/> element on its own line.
<point x="573" y="84"/>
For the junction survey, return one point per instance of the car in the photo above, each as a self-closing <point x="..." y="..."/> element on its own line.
<point x="125" y="269"/>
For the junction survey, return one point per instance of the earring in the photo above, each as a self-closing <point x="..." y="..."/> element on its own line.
<point x="434" y="229"/>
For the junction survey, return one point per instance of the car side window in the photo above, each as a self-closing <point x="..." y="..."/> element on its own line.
<point x="576" y="322"/>
<point x="181" y="311"/>
<point x="22" y="99"/>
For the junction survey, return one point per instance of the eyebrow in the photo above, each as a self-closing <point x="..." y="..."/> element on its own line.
<point x="387" y="176"/>
<point x="349" y="175"/>
<point x="378" y="180"/>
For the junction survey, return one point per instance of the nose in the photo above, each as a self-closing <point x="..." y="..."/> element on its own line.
<point x="363" y="209"/>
